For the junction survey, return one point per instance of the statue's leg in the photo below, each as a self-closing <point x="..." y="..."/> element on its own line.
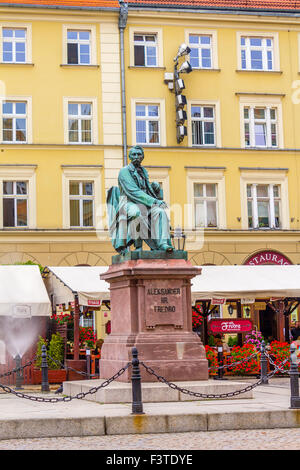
<point x="160" y="228"/>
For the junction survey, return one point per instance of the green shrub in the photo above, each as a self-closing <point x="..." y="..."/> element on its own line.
<point x="55" y="352"/>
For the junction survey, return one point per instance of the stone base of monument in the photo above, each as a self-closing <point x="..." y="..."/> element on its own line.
<point x="150" y="298"/>
<point x="117" y="392"/>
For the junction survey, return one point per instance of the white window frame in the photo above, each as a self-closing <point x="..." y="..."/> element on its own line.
<point x="28" y="41"/>
<point x="161" y="119"/>
<point x="205" y="199"/>
<point x="144" y="44"/>
<point x="20" y="173"/>
<point x="213" y="45"/>
<point x="15" y="198"/>
<point x="82" y="173"/>
<point x="92" y="318"/>
<point x="199" y="175"/>
<point x="79" y="42"/>
<point x="145" y="30"/>
<point x="217" y="121"/>
<point x="17" y="99"/>
<point x="267" y="122"/>
<point x="271" y="206"/>
<point x="263" y="35"/>
<point x="265" y="177"/>
<point x="81" y="198"/>
<point x="200" y="48"/>
<point x="93" y="43"/>
<point x="261" y="102"/>
<point x="94" y="119"/>
<point x="204" y="120"/>
<point x="264" y="49"/>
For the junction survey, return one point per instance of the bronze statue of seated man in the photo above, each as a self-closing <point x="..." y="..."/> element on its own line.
<point x="136" y="210"/>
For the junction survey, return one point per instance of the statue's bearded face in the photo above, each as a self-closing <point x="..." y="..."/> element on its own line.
<point x="136" y="156"/>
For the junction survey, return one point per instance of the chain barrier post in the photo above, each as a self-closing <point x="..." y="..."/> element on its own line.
<point x="220" y="364"/>
<point x="294" y="374"/>
<point x="263" y="364"/>
<point x="44" y="366"/>
<point x="88" y="363"/>
<point x="19" y="372"/>
<point x="137" y="404"/>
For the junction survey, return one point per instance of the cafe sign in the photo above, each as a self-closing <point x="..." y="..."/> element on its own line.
<point x="230" y="325"/>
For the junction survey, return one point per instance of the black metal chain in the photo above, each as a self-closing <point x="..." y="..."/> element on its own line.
<point x="79" y="396"/>
<point x="80" y="372"/>
<point x="233" y="364"/>
<point x="17" y="369"/>
<point x="205" y="395"/>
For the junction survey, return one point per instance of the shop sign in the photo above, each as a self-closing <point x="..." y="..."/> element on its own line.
<point x="268" y="257"/>
<point x="218" y="301"/>
<point x="231" y="325"/>
<point x="22" y="311"/>
<point x="94" y="303"/>
<point x="247" y="301"/>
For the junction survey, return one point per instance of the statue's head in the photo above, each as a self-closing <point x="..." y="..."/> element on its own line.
<point x="136" y="155"/>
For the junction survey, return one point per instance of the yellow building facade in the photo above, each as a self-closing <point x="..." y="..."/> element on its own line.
<point x="231" y="184"/>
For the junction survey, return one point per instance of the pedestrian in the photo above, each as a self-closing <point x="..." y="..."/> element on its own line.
<point x="296" y="343"/>
<point x="295" y="332"/>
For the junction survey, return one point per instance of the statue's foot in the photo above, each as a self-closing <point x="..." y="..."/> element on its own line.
<point x="167" y="248"/>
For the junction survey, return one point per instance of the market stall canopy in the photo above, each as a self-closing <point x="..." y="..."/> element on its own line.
<point x="63" y="282"/>
<point x="22" y="292"/>
<point x="246" y="282"/>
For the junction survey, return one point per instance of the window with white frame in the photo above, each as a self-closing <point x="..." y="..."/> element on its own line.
<point x="201" y="51"/>
<point x="257" y="53"/>
<point x="203" y="125"/>
<point x="264" y="205"/>
<point x="14" y="45"/>
<point x="205" y="205"/>
<point x="88" y="320"/>
<point x="261" y="126"/>
<point x="14" y="121"/>
<point x="80" y="123"/>
<point x="147" y="123"/>
<point x="81" y="197"/>
<point x="79" y="47"/>
<point x="145" y="50"/>
<point x="15" y="203"/>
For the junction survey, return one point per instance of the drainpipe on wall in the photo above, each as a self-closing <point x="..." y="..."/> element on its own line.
<point x="122" y="25"/>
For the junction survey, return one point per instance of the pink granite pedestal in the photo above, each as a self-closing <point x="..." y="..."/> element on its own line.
<point x="151" y="310"/>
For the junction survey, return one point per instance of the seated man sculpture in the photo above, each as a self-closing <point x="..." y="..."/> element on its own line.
<point x="136" y="210"/>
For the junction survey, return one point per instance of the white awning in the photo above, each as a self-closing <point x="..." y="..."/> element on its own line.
<point x="63" y="282"/>
<point x="214" y="282"/>
<point x="22" y="292"/>
<point x="246" y="282"/>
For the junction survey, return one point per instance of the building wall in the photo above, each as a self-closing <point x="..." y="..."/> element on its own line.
<point x="48" y="161"/>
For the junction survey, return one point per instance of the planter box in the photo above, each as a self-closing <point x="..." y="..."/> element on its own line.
<point x="56" y="376"/>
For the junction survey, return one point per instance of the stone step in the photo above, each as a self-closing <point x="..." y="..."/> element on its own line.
<point x="152" y="392"/>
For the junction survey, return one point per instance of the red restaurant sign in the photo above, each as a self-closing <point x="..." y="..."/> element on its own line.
<point x="231" y="325"/>
<point x="267" y="257"/>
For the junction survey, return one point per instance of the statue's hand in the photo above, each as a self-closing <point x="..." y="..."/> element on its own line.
<point x="163" y="204"/>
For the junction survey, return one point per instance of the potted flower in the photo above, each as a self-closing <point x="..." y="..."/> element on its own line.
<point x="55" y="357"/>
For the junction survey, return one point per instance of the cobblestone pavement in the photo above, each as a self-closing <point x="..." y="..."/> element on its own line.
<point x="263" y="439"/>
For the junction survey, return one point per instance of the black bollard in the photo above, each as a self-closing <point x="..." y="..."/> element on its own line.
<point x="220" y="364"/>
<point x="137" y="404"/>
<point x="88" y="363"/>
<point x="263" y="364"/>
<point x="44" y="366"/>
<point x="19" y="372"/>
<point x="294" y="376"/>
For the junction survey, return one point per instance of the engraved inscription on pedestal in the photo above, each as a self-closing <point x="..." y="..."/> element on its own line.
<point x="164" y="303"/>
